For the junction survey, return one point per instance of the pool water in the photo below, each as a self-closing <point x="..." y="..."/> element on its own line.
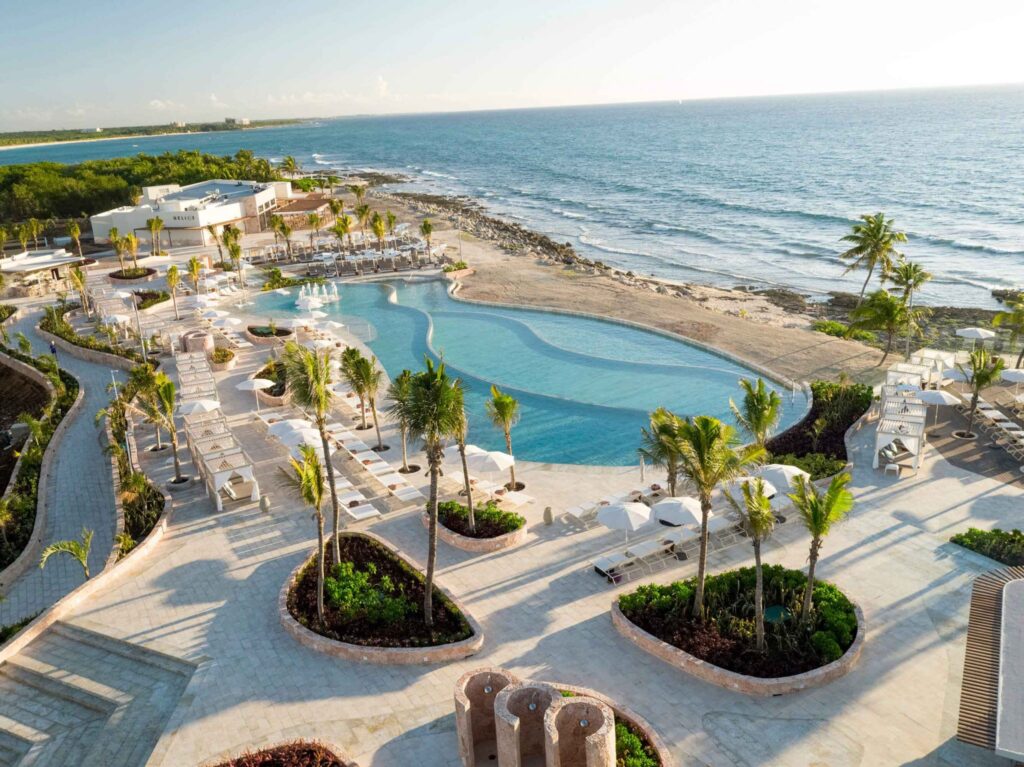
<point x="585" y="386"/>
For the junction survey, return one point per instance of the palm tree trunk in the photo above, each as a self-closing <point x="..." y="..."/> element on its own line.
<point x="376" y="423"/>
<point x="758" y="596"/>
<point x="974" y="409"/>
<point x="512" y="468"/>
<point x="864" y="287"/>
<point x="405" y="452"/>
<point x="177" y="461"/>
<point x="471" y="510"/>
<point x="362" y="410"/>
<point x="672" y="480"/>
<point x="809" y="590"/>
<point x="321" y="555"/>
<point x="702" y="565"/>
<point x="159" y="444"/>
<point x="1020" y="357"/>
<point x="330" y="481"/>
<point x="428" y="586"/>
<point x="174" y="300"/>
<point x="910" y="306"/>
<point x="888" y="347"/>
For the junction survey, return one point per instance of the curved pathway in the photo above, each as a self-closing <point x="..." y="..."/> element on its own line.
<point x="80" y="491"/>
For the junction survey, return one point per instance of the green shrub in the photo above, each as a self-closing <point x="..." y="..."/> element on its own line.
<point x="458" y="266"/>
<point x="818" y="465"/>
<point x="359" y="595"/>
<point x="839" y="330"/>
<point x="8" y="632"/>
<point x="1000" y="545"/>
<point x="53" y="322"/>
<point x="148" y="298"/>
<point x="490" y="520"/>
<point x="630" y="749"/>
<point x="6" y="310"/>
<point x="826" y="646"/>
<point x="221" y="355"/>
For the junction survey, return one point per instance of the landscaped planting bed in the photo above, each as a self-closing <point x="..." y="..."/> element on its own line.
<point x="265" y="331"/>
<point x="725" y="638"/>
<point x="131" y="274"/>
<point x="373" y="598"/>
<point x="273" y="371"/>
<point x="148" y="298"/>
<point x="53" y="322"/>
<point x="491" y="522"/>
<point x="632" y="749"/>
<point x="298" y="754"/>
<point x="1001" y="545"/>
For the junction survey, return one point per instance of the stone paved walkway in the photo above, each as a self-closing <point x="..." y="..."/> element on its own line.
<point x="80" y="493"/>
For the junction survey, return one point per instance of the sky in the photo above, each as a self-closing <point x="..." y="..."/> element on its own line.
<point x="67" y="64"/>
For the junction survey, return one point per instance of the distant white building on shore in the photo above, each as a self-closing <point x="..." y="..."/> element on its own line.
<point x="187" y="210"/>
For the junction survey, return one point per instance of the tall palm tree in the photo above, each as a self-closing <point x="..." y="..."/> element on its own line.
<point x="286" y="232"/>
<point x="1013" y="321"/>
<point x="758" y="522"/>
<point x="289" y="166"/>
<point x="131" y="245"/>
<point x="400" y="394"/>
<point x="983" y="369"/>
<point x="274" y="222"/>
<point x="173" y="278"/>
<point x="819" y="511"/>
<point x="307" y="476"/>
<point x="379" y="229"/>
<point x="343" y="226"/>
<point x="22" y="232"/>
<point x="391" y="220"/>
<point x="707" y="458"/>
<point x="74" y="232"/>
<point x="339" y="230"/>
<point x="369" y="376"/>
<point x="427" y="230"/>
<point x="307" y="374"/>
<point x="434" y="414"/>
<point x="359" y="191"/>
<point x="215" y="235"/>
<point x="909" y="277"/>
<point x="659" y="444"/>
<point x="77" y="550"/>
<point x="761" y="410"/>
<point x="77" y="276"/>
<point x="350" y="362"/>
<point x="155" y="226"/>
<point x="195" y="270"/>
<point x="888" y="313"/>
<point x="4" y="236"/>
<point x="235" y="254"/>
<point x="337" y="207"/>
<point x="35" y="228"/>
<point x="872" y="244"/>
<point x="157" y="405"/>
<point x="314" y="222"/>
<point x="363" y="215"/>
<point x="115" y="242"/>
<point x="503" y="410"/>
<point x="461" y="436"/>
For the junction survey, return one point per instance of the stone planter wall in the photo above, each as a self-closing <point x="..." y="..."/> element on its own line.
<point x="29" y="557"/>
<point x="218" y="367"/>
<point x="477" y="545"/>
<point x="386" y="656"/>
<point x="137" y="281"/>
<point x="268" y="340"/>
<point x="89" y="355"/>
<point x="730" y="680"/>
<point x="453" y="276"/>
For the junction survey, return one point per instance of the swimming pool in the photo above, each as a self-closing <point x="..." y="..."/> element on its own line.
<point x="585" y="386"/>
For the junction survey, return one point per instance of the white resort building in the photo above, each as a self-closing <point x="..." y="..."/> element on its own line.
<point x="186" y="211"/>
<point x="37" y="272"/>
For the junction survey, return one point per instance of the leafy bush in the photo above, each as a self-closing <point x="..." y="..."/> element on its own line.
<point x="6" y="310"/>
<point x="221" y="355"/>
<point x="818" y="465"/>
<point x="360" y="595"/>
<point x="53" y="322"/>
<point x="273" y="371"/>
<point x="826" y="646"/>
<point x="490" y="520"/>
<point x="148" y="298"/>
<point x="1000" y="545"/>
<point x="8" y="632"/>
<point x="836" y="407"/>
<point x="839" y="330"/>
<point x="132" y="273"/>
<point x="631" y="750"/>
<point x="458" y="266"/>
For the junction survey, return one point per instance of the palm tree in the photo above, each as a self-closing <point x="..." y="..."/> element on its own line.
<point x="79" y="550"/>
<point x="77" y="276"/>
<point x="369" y="375"/>
<point x="235" y="254"/>
<point x="274" y="222"/>
<point x="156" y="405"/>
<point x="6" y="517"/>
<point x="761" y="410"/>
<point x="339" y="231"/>
<point x="74" y="232"/>
<point x="195" y="270"/>
<point x="390" y="219"/>
<point x="307" y="374"/>
<point x="24" y="234"/>
<point x="909" y="277"/>
<point x="350" y="363"/>
<point x="337" y="207"/>
<point x="707" y="458"/>
<point x="872" y="244"/>
<point x="359" y="190"/>
<point x="343" y="226"/>
<point x="461" y="435"/>
<point x="117" y="244"/>
<point x="289" y="166"/>
<point x="363" y="215"/>
<point x="379" y="229"/>
<point x="435" y="414"/>
<point x="173" y="278"/>
<point x="215" y="234"/>
<point x="819" y="511"/>
<point x="4" y="236"/>
<point x="286" y="232"/>
<point x="884" y="311"/>
<point x="758" y="522"/>
<point x="131" y="244"/>
<point x="1012" y="320"/>
<point x="982" y="370"/>
<point x="307" y="476"/>
<point x="155" y="226"/>
<point x="35" y="228"/>
<point x="503" y="410"/>
<point x="427" y="229"/>
<point x="314" y="222"/>
<point x="400" y="394"/>
<point x="659" y="444"/>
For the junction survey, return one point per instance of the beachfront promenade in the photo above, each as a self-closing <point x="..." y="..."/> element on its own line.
<point x="79" y="493"/>
<point x="208" y="595"/>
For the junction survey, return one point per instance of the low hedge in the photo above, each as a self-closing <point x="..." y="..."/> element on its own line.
<point x="221" y="355"/>
<point x="458" y="266"/>
<point x="838" y="406"/>
<point x="276" y="279"/>
<point x="132" y="273"/>
<point x="148" y="298"/>
<point x="839" y="330"/>
<point x="490" y="520"/>
<point x="53" y="322"/>
<point x="1001" y="545"/>
<point x="273" y="371"/>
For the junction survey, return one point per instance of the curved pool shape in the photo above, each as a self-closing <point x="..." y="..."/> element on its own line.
<point x="585" y="386"/>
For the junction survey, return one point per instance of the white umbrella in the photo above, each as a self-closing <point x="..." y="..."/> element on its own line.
<point x="292" y="323"/>
<point x="451" y="453"/>
<point x="976" y="334"/>
<point x="939" y="398"/>
<point x="678" y="510"/>
<point x="629" y="516"/>
<point x="193" y="406"/>
<point x="782" y="475"/>
<point x="490" y="462"/>
<point x="296" y="452"/>
<point x="214" y="314"/>
<point x="288" y="425"/>
<point x="331" y="325"/>
<point x="123" y="294"/>
<point x="313" y="316"/>
<point x="254" y="385"/>
<point x="301" y="436"/>
<point x="955" y="374"/>
<point x="204" y="300"/>
<point x="769" y="488"/>
<point x="227" y="322"/>
<point x="1014" y="376"/>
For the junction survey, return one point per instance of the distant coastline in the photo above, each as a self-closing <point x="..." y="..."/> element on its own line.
<point x="34" y="144"/>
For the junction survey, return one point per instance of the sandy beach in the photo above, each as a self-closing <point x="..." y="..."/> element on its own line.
<point x="102" y="138"/>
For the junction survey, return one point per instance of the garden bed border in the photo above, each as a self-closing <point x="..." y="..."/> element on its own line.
<point x="477" y="545"/>
<point x="385" y="656"/>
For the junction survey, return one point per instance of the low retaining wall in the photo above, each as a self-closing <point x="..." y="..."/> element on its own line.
<point x="268" y="340"/>
<point x="133" y="281"/>
<point x="385" y="656"/>
<point x="730" y="680"/>
<point x="477" y="545"/>
<point x="28" y="372"/>
<point x="89" y="355"/>
<point x="29" y="556"/>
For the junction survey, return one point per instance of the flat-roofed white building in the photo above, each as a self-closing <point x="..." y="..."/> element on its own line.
<point x="187" y="210"/>
<point x="38" y="272"/>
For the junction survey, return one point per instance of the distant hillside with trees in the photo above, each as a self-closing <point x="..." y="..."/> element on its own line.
<point x="17" y="138"/>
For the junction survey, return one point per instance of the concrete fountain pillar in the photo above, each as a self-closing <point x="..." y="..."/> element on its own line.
<point x="519" y="722"/>
<point x="475" y="693"/>
<point x="579" y="732"/>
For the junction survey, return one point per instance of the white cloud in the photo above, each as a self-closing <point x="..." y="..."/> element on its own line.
<point x="382" y="87"/>
<point x="308" y="97"/>
<point x="162" y="105"/>
<point x="215" y="100"/>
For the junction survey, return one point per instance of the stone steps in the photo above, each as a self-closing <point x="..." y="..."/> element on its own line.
<point x="78" y="697"/>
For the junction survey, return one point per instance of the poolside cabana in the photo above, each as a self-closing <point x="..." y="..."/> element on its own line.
<point x="230" y="475"/>
<point x="906" y="434"/>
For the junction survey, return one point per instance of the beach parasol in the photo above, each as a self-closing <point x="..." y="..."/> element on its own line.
<point x="451" y="453"/>
<point x="490" y="462"/>
<point x="628" y="516"/>
<point x="939" y="398"/>
<point x="678" y="510"/>
<point x="193" y="406"/>
<point x="287" y="425"/>
<point x="254" y="385"/>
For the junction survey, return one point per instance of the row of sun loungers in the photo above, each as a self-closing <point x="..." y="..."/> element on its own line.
<point x="1004" y="431"/>
<point x="380" y="471"/>
<point x="585" y="515"/>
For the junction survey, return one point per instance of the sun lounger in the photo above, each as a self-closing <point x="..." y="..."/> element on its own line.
<point x="581" y="516"/>
<point x="408" y="493"/>
<point x="362" y="512"/>
<point x="616" y="566"/>
<point x="514" y="498"/>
